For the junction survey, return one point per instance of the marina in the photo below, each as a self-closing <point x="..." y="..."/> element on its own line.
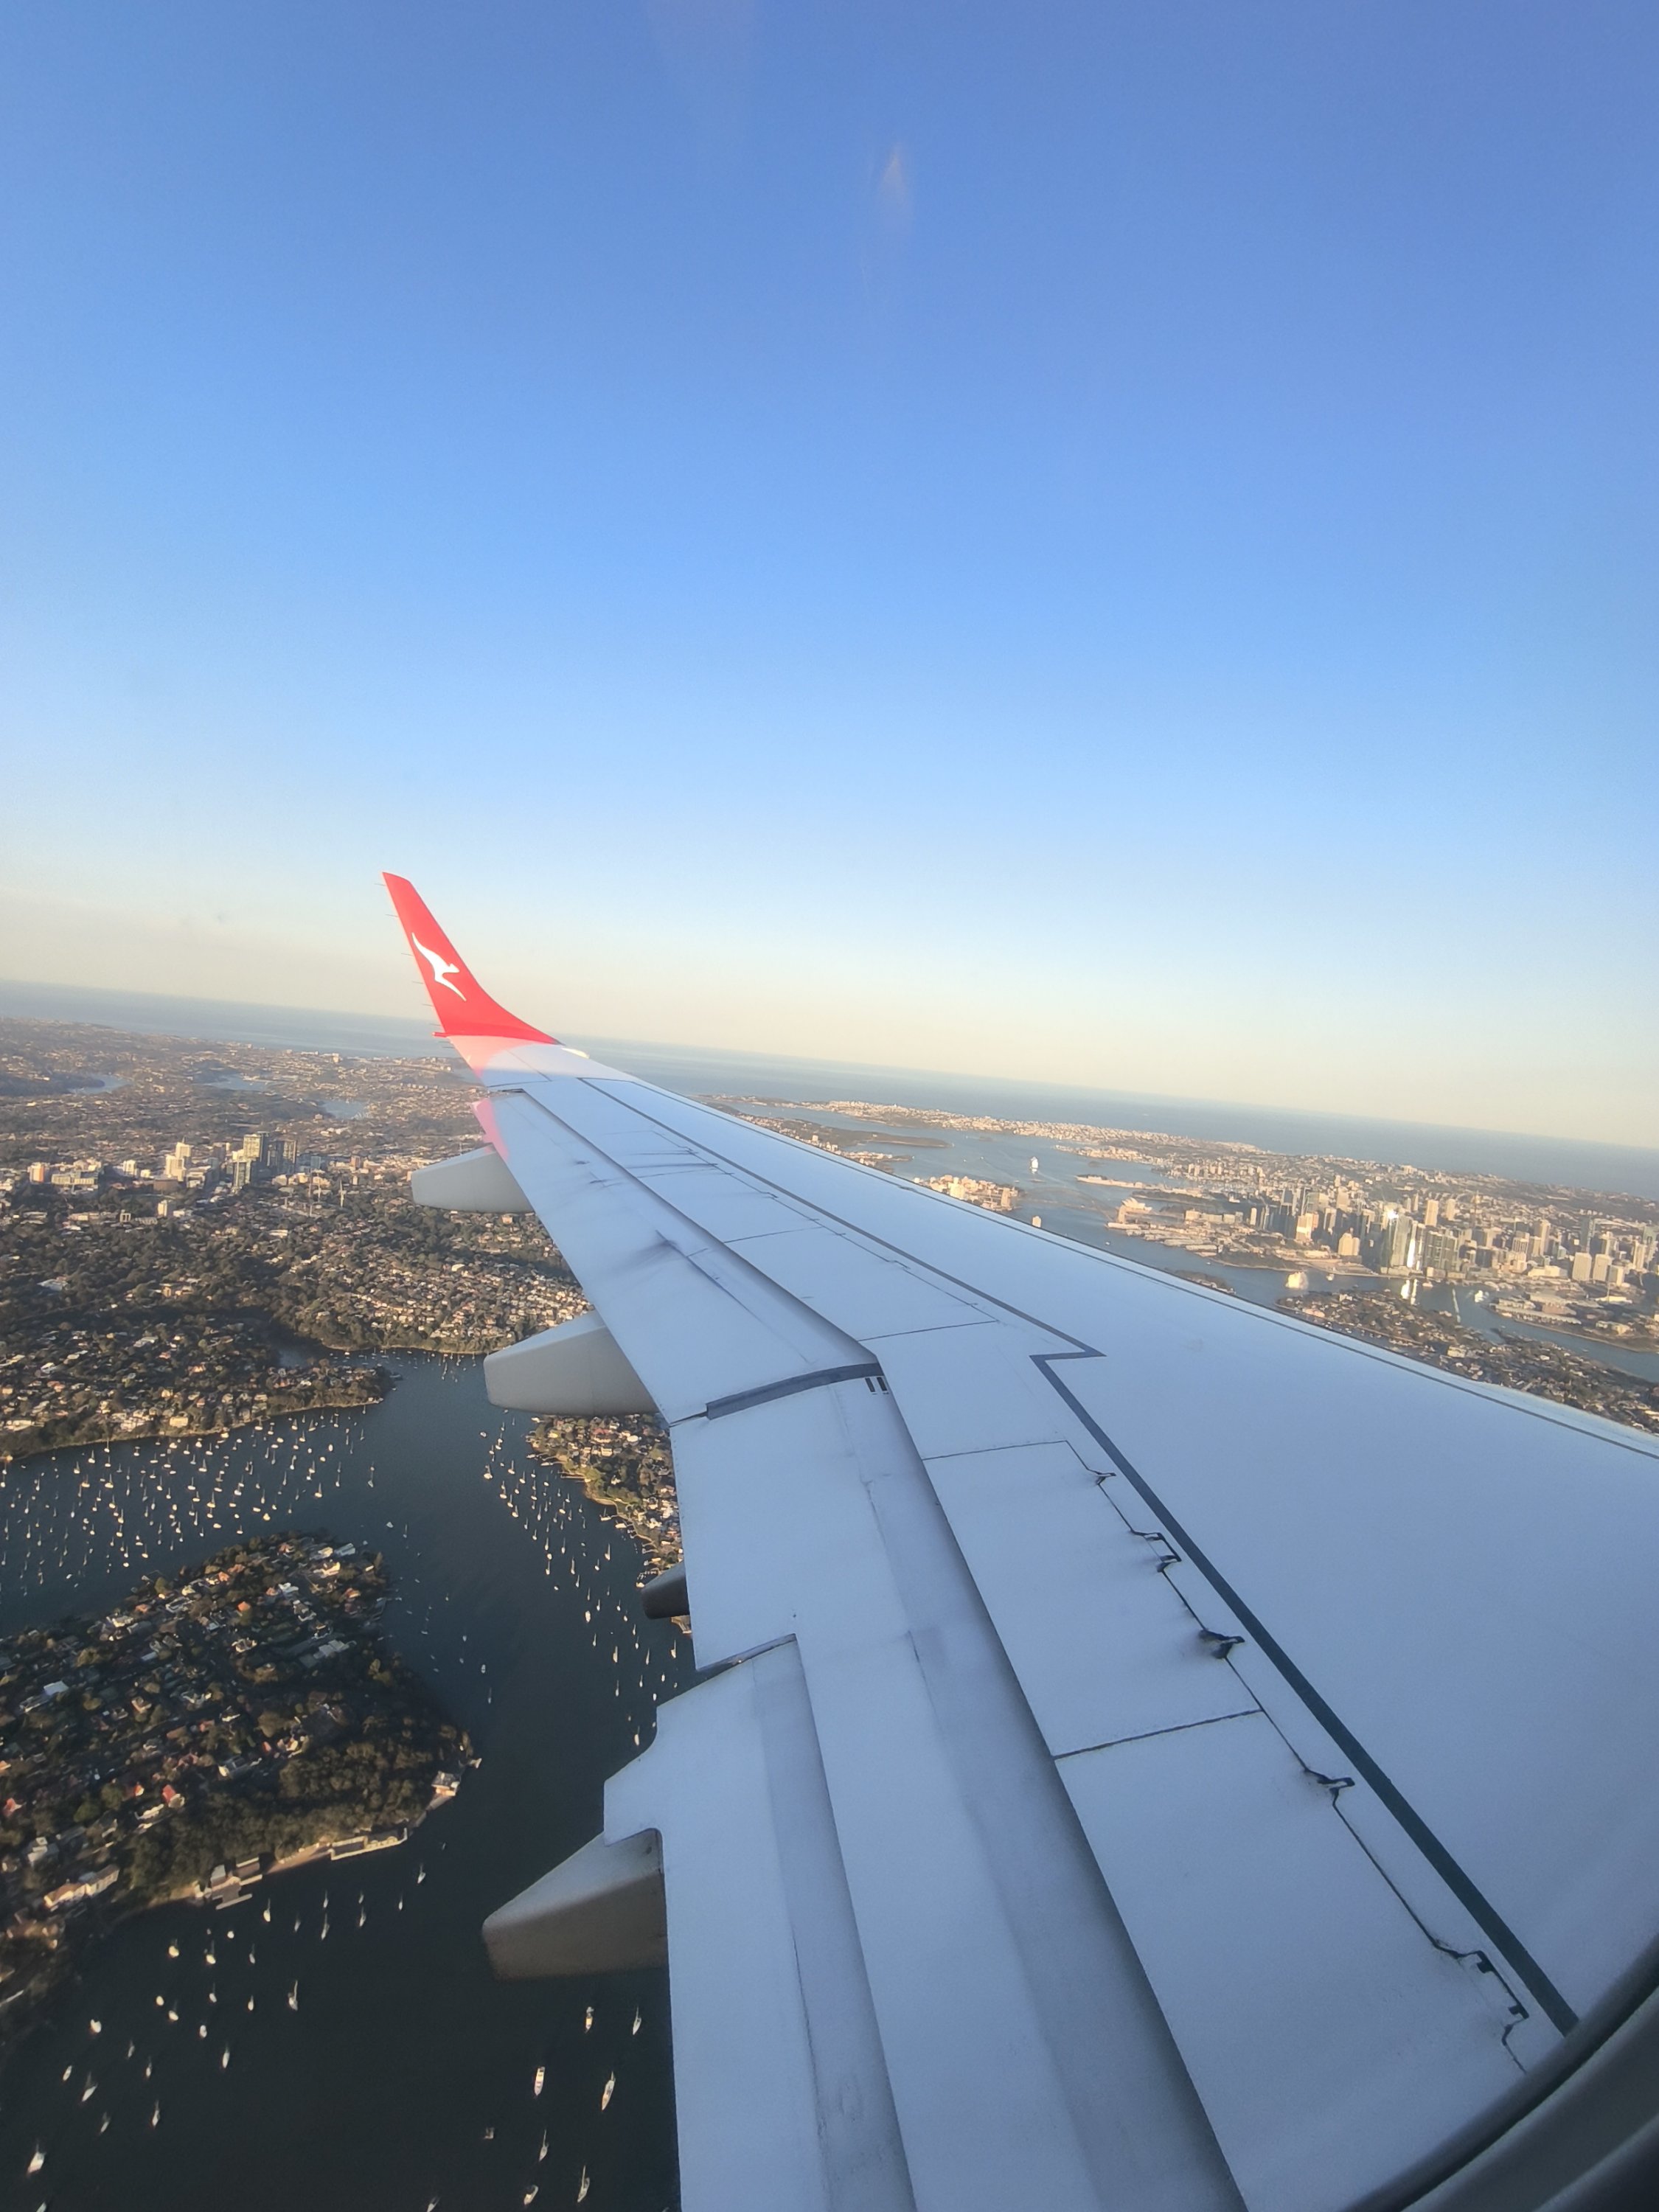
<point x="334" y="2036"/>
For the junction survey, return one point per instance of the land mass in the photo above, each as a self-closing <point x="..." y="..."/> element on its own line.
<point x="626" y="1468"/>
<point x="168" y="1269"/>
<point x="1514" y="1362"/>
<point x="215" y="1726"/>
<point x="194" y="1237"/>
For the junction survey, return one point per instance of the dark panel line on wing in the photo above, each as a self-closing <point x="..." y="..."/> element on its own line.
<point x="1251" y="1712"/>
<point x="740" y="1400"/>
<point x="1480" y="1908"/>
<point x="1462" y="1887"/>
<point x="853" y="1228"/>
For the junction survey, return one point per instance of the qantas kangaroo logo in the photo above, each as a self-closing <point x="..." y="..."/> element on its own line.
<point x="442" y="969"/>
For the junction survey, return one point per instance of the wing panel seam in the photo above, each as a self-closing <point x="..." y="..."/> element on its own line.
<point x="1462" y="1885"/>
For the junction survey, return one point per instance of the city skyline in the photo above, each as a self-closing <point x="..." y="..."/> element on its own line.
<point x="1110" y="550"/>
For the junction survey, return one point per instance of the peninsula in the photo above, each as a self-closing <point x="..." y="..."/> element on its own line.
<point x="217" y="1726"/>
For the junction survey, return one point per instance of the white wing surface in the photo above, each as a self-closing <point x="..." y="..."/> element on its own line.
<point x="1154" y="1754"/>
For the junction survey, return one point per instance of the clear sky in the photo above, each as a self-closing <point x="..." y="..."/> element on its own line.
<point x="1113" y="542"/>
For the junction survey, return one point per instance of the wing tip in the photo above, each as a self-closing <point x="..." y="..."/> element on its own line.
<point x="442" y="970"/>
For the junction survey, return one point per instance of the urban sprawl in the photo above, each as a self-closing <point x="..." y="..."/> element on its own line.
<point x="197" y="1238"/>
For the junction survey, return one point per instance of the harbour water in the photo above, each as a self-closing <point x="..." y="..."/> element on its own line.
<point x="338" y="2040"/>
<point x="1053" y="1195"/>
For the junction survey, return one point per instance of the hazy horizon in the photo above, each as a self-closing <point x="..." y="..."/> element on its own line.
<point x="1521" y="1153"/>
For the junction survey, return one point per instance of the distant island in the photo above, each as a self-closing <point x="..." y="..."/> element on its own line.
<point x="216" y="1727"/>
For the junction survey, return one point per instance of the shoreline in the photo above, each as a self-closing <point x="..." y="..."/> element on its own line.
<point x="10" y="1452"/>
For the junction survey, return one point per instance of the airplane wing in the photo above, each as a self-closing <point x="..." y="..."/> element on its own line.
<point x="1153" y="1754"/>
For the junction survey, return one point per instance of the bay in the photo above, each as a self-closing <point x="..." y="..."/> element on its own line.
<point x="407" y="2075"/>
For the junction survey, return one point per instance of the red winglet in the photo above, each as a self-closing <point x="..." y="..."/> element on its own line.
<point x="462" y="1005"/>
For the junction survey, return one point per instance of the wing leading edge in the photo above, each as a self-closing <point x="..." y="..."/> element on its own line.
<point x="1166" y="1756"/>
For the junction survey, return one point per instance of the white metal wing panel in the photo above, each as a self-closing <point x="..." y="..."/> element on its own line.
<point x="1359" y="1492"/>
<point x="870" y="1294"/>
<point x="1438" y="1562"/>
<point x="1028" y="2059"/>
<point x="1104" y="1647"/>
<point x="1330" y="2042"/>
<point x="696" y="1321"/>
<point x="782" y="2090"/>
<point x="977" y="1389"/>
<point x="721" y="1202"/>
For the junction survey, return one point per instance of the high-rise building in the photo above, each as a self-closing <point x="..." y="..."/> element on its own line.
<point x="1395" y="1246"/>
<point x="1438" y="1254"/>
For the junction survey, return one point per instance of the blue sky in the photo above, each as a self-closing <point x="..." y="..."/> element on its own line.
<point x="1109" y="542"/>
